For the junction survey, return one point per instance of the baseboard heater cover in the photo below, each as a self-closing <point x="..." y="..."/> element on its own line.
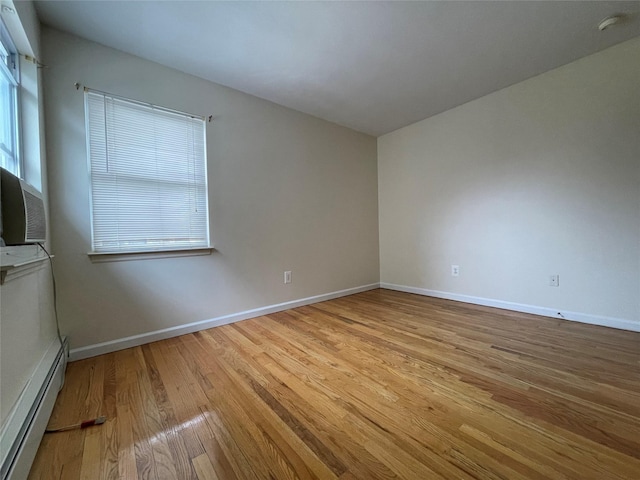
<point x="20" y="451"/>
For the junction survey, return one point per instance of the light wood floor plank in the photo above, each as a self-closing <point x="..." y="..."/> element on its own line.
<point x="204" y="469"/>
<point x="377" y="385"/>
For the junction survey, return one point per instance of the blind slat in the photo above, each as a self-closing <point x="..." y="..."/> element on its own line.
<point x="148" y="176"/>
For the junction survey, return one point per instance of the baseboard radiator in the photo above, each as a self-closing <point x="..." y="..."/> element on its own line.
<point x="22" y="433"/>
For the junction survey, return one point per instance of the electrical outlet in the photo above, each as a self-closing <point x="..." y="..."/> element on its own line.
<point x="287" y="276"/>
<point x="554" y="281"/>
<point x="455" y="270"/>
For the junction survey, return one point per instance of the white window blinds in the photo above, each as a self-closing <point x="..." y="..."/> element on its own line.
<point x="148" y="176"/>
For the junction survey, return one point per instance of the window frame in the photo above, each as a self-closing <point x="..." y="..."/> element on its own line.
<point x="106" y="255"/>
<point x="11" y="69"/>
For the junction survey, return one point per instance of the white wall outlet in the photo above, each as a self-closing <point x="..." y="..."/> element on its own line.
<point x="287" y="276"/>
<point x="455" y="270"/>
<point x="554" y="281"/>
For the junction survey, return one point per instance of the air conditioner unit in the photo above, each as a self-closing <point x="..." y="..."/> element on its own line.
<point x="22" y="219"/>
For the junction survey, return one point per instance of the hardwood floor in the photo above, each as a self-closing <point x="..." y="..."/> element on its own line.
<point x="380" y="384"/>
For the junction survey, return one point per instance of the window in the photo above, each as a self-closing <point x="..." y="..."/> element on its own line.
<point x="9" y="120"/>
<point x="148" y="176"/>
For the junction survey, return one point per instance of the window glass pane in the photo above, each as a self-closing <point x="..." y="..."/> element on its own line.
<point x="9" y="157"/>
<point x="5" y="112"/>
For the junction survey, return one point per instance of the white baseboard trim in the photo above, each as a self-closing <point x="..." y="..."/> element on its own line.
<point x="611" y="322"/>
<point x="22" y="432"/>
<point x="141" y="339"/>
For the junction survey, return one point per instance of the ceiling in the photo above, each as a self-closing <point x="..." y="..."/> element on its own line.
<point x="371" y="66"/>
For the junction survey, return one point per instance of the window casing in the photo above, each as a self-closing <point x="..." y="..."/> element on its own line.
<point x="148" y="176"/>
<point x="9" y="104"/>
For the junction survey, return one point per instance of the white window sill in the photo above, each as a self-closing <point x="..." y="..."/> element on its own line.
<point x="101" y="257"/>
<point x="16" y="262"/>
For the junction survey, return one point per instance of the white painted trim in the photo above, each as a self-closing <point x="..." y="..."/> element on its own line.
<point x="102" y="257"/>
<point x="8" y="273"/>
<point x="141" y="339"/>
<point x="611" y="322"/>
<point x="18" y="261"/>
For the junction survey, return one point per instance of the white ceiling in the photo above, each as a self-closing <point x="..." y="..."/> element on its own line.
<point x="371" y="66"/>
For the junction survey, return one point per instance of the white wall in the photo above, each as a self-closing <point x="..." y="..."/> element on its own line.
<point x="287" y="192"/>
<point x="27" y="325"/>
<point x="539" y="178"/>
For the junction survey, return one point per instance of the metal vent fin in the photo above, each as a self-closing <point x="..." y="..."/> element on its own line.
<point x="36" y="224"/>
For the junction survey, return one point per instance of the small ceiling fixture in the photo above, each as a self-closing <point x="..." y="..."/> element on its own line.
<point x="609" y="22"/>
